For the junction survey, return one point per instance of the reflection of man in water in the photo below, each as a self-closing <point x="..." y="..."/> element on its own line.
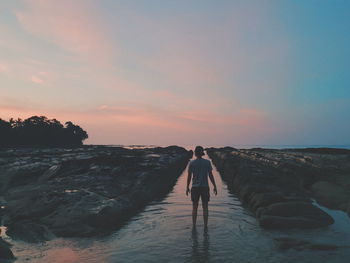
<point x="200" y="252"/>
<point x="200" y="169"/>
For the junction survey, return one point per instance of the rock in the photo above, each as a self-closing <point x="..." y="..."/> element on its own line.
<point x="24" y="174"/>
<point x="51" y="172"/>
<point x="294" y="214"/>
<point x="323" y="150"/>
<point x="82" y="192"/>
<point x="261" y="200"/>
<point x="266" y="199"/>
<point x="274" y="183"/>
<point x="73" y="217"/>
<point x="331" y="194"/>
<point x="247" y="191"/>
<point x="294" y="209"/>
<point x="347" y="208"/>
<point x="29" y="232"/>
<point x="31" y="204"/>
<point x="5" y="251"/>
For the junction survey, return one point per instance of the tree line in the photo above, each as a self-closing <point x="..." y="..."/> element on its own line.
<point x="40" y="131"/>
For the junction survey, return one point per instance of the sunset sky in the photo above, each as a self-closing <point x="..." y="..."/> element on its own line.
<point x="181" y="72"/>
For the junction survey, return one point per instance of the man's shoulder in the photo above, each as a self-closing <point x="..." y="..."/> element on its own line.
<point x="199" y="161"/>
<point x="202" y="161"/>
<point x="206" y="161"/>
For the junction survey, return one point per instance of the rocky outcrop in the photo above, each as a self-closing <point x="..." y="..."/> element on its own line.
<point x="5" y="251"/>
<point x="293" y="214"/>
<point x="82" y="192"/>
<point x="332" y="195"/>
<point x="277" y="185"/>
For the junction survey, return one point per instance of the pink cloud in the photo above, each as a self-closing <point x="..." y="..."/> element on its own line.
<point x="141" y="116"/>
<point x="191" y="121"/>
<point x="181" y="61"/>
<point x="184" y="102"/>
<point x="184" y="69"/>
<point x="75" y="27"/>
<point x="4" y="68"/>
<point x="71" y="25"/>
<point x="36" y="79"/>
<point x="30" y="70"/>
<point x="149" y="125"/>
<point x="181" y="57"/>
<point x="241" y="116"/>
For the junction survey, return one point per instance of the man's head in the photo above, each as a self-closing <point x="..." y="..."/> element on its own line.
<point x="199" y="151"/>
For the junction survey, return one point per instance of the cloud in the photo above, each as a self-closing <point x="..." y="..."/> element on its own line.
<point x="71" y="25"/>
<point x="31" y="70"/>
<point x="151" y="125"/>
<point x="185" y="101"/>
<point x="4" y="68"/>
<point x="36" y="79"/>
<point x="173" y="91"/>
<point x="76" y="28"/>
<point x="191" y="121"/>
<point x="142" y="116"/>
<point x="180" y="58"/>
<point x="183" y="68"/>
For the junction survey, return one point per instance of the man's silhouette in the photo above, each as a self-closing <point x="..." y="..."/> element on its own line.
<point x="200" y="169"/>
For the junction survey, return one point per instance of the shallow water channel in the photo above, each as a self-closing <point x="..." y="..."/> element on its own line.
<point x="163" y="232"/>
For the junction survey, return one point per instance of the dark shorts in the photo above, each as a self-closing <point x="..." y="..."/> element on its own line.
<point x="202" y="192"/>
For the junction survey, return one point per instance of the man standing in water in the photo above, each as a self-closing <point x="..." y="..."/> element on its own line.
<point x="200" y="169"/>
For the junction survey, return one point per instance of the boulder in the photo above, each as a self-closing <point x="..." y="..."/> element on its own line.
<point x="50" y="173"/>
<point x="293" y="215"/>
<point x="265" y="199"/>
<point x="82" y="192"/>
<point x="5" y="251"/>
<point x="29" y="231"/>
<point x="330" y="194"/>
<point x="275" y="184"/>
<point x="248" y="190"/>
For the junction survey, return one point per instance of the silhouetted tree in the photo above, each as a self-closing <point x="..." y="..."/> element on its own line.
<point x="5" y="132"/>
<point x="40" y="131"/>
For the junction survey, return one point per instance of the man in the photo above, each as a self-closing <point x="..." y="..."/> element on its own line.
<point x="200" y="169"/>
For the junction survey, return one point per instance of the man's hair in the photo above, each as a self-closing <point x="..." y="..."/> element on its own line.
<point x="199" y="151"/>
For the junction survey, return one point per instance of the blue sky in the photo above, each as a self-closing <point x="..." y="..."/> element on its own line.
<point x="181" y="72"/>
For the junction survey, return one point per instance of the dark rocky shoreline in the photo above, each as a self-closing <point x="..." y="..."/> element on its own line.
<point x="278" y="185"/>
<point x="93" y="190"/>
<point x="82" y="192"/>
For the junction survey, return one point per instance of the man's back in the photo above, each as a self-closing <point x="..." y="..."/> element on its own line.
<point x="200" y="168"/>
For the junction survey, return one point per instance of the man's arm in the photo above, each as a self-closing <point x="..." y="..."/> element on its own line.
<point x="211" y="177"/>
<point x="189" y="176"/>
